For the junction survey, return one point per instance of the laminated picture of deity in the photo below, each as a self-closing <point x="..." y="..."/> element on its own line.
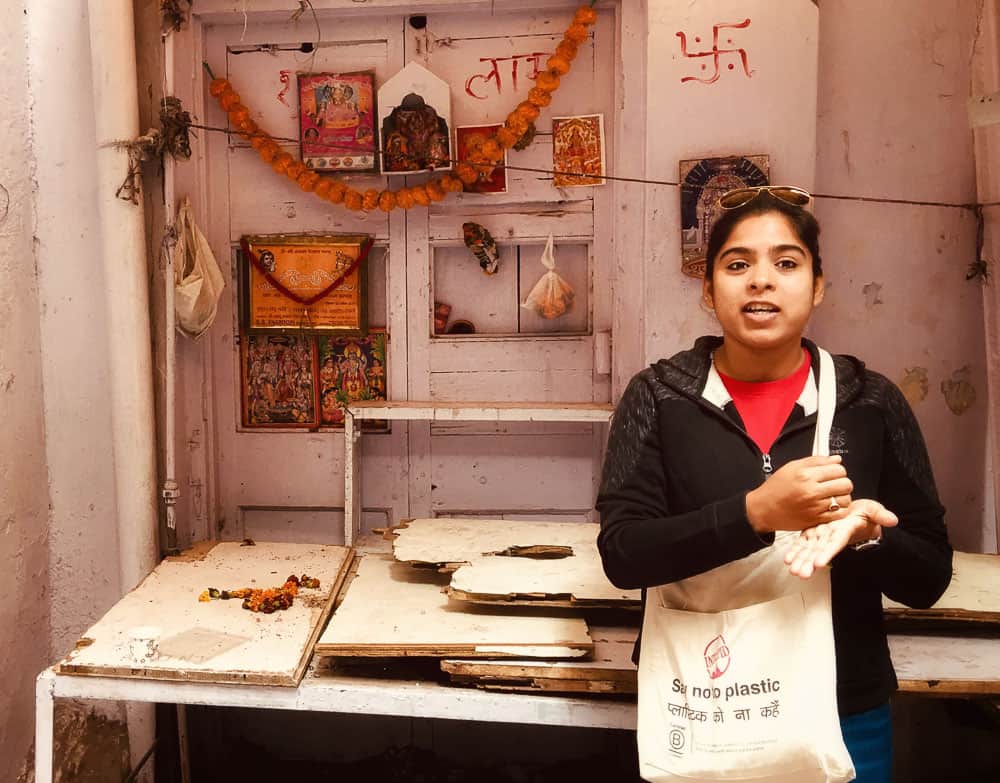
<point x="351" y="369"/>
<point x="415" y="122"/>
<point x="337" y="121"/>
<point x="578" y="150"/>
<point x="279" y="381"/>
<point x="702" y="182"/>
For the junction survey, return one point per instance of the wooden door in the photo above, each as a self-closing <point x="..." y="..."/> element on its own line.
<point x="287" y="484"/>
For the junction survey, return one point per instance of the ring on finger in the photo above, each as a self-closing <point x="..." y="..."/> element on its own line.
<point x="834" y="505"/>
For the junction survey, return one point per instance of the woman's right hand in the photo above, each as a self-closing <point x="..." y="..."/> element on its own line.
<point x="801" y="494"/>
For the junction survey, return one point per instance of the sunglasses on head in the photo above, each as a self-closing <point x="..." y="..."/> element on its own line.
<point x="734" y="199"/>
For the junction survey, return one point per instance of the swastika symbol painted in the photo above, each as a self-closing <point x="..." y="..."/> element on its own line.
<point x="716" y="53"/>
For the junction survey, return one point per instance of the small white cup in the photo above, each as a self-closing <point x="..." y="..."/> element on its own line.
<point x="144" y="644"/>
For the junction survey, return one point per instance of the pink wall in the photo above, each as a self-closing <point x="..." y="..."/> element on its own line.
<point x="24" y="496"/>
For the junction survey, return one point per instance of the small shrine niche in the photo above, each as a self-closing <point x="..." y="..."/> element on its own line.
<point x="415" y="122"/>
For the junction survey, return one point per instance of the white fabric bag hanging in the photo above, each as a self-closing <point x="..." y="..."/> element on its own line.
<point x="737" y="674"/>
<point x="198" y="281"/>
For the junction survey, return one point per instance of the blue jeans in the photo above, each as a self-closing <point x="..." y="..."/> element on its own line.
<point x="868" y="736"/>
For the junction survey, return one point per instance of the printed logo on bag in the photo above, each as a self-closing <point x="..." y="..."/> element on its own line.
<point x="716" y="657"/>
<point x="838" y="441"/>
<point x="677" y="740"/>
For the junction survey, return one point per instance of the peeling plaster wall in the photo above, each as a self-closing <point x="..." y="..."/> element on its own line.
<point x="24" y="577"/>
<point x="893" y="80"/>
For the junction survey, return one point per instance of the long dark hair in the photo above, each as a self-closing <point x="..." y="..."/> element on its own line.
<point x="805" y="226"/>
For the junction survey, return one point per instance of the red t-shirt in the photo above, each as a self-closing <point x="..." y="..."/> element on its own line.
<point x="764" y="406"/>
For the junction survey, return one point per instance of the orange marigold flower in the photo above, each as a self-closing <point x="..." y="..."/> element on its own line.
<point x="420" y="195"/>
<point x="539" y="98"/>
<point x="577" y="33"/>
<point x="269" y="151"/>
<point x="404" y="199"/>
<point x="294" y="169"/>
<point x="370" y="201"/>
<point x="229" y="99"/>
<point x="308" y="180"/>
<point x="567" y="49"/>
<point x="434" y="191"/>
<point x="353" y="200"/>
<point x="528" y="110"/>
<point x="505" y="137"/>
<point x="492" y="150"/>
<point x="387" y="201"/>
<point x="322" y="188"/>
<point x="218" y="86"/>
<point x="338" y="192"/>
<point x="557" y="64"/>
<point x="466" y="173"/>
<point x="517" y="124"/>
<point x="281" y="162"/>
<point x="548" y="81"/>
<point x="247" y="127"/>
<point x="585" y="15"/>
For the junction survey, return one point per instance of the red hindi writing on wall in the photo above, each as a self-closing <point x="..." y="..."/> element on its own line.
<point x="476" y="86"/>
<point x="715" y="53"/>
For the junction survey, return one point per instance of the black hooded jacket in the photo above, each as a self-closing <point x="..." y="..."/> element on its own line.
<point x="679" y="465"/>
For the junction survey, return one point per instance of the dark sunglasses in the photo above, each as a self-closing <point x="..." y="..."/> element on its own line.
<point x="734" y="199"/>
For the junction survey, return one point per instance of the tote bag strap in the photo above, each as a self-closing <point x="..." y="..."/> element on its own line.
<point x="826" y="405"/>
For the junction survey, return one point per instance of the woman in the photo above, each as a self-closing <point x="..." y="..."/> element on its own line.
<point x="708" y="456"/>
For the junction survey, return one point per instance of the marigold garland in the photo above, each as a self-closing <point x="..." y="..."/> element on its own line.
<point x="479" y="164"/>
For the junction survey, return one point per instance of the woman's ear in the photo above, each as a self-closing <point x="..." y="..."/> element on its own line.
<point x="706" y="294"/>
<point x="819" y="290"/>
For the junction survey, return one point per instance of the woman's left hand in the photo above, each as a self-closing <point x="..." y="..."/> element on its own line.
<point x="816" y="546"/>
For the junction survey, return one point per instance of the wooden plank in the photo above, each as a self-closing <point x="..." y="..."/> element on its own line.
<point x="972" y="597"/>
<point x="394" y="610"/>
<point x="482" y="411"/>
<point x="947" y="665"/>
<point x="493" y="567"/>
<point x="611" y="670"/>
<point x="217" y="641"/>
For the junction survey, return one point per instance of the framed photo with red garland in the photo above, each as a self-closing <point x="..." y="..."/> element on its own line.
<point x="304" y="283"/>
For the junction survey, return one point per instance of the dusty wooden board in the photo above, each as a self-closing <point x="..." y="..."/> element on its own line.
<point x="611" y="670"/>
<point x="394" y="610"/>
<point x="947" y="665"/>
<point x="972" y="597"/>
<point x="217" y="641"/>
<point x="480" y="550"/>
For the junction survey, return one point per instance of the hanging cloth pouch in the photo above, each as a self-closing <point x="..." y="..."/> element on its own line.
<point x="198" y="281"/>
<point x="737" y="676"/>
<point x="551" y="296"/>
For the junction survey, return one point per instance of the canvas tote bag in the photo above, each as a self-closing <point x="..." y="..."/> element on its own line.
<point x="198" y="281"/>
<point x="737" y="676"/>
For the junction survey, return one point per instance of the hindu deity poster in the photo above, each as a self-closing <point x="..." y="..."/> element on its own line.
<point x="279" y="380"/>
<point x="468" y="138"/>
<point x="702" y="182"/>
<point x="415" y="122"/>
<point x="578" y="150"/>
<point x="351" y="369"/>
<point x="337" y="121"/>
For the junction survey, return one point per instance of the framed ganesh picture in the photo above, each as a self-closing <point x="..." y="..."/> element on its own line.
<point x="304" y="283"/>
<point x="351" y="369"/>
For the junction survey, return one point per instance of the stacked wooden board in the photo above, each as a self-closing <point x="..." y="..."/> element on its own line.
<point x="501" y="601"/>
<point x="216" y="641"/>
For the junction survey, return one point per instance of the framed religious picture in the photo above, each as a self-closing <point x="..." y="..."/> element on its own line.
<point x="351" y="369"/>
<point x="337" y="121"/>
<point x="304" y="283"/>
<point x="702" y="182"/>
<point x="278" y="373"/>
<point x="578" y="147"/>
<point x="415" y="122"/>
<point x="469" y="138"/>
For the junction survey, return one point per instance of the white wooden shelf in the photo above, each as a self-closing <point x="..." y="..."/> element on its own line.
<point x="438" y="410"/>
